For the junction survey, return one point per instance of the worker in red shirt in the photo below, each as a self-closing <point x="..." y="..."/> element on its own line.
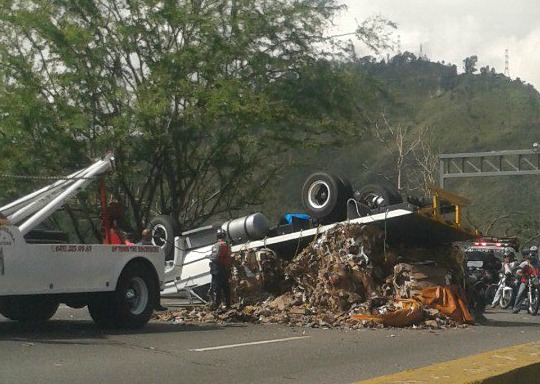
<point x="220" y="269"/>
<point x="116" y="236"/>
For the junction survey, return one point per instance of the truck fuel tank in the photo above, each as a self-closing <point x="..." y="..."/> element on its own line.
<point x="247" y="228"/>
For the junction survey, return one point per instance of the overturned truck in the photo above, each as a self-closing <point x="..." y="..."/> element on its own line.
<point x="347" y="252"/>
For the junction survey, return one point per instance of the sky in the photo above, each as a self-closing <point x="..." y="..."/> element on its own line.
<point x="452" y="30"/>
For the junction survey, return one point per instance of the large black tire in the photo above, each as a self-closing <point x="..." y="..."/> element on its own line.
<point x="534" y="301"/>
<point x="164" y="228"/>
<point x="378" y="196"/>
<point x="29" y="309"/>
<point x="131" y="305"/>
<point x="137" y="294"/>
<point x="325" y="196"/>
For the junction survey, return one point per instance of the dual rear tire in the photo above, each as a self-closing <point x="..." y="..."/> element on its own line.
<point x="325" y="196"/>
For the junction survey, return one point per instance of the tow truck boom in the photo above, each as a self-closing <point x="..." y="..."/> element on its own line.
<point x="30" y="210"/>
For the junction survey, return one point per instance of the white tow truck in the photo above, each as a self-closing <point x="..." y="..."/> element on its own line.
<point x="120" y="284"/>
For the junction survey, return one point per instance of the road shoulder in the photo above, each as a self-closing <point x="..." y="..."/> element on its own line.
<point x="516" y="364"/>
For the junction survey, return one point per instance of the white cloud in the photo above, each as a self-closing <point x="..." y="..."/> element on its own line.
<point x="452" y="31"/>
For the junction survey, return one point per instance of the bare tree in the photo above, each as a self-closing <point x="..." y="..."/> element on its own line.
<point x="426" y="158"/>
<point x="399" y="138"/>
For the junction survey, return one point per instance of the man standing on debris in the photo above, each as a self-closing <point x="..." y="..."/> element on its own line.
<point x="524" y="271"/>
<point x="220" y="269"/>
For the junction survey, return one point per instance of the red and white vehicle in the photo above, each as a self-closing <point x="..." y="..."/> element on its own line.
<point x="120" y="284"/>
<point x="497" y="245"/>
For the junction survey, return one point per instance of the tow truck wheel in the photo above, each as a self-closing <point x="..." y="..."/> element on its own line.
<point x="325" y="196"/>
<point x="102" y="310"/>
<point x="136" y="293"/>
<point x="131" y="305"/>
<point x="29" y="309"/>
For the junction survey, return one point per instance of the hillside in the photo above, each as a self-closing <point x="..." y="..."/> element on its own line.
<point x="458" y="113"/>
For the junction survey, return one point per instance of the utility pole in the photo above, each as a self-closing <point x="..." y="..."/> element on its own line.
<point x="506" y="60"/>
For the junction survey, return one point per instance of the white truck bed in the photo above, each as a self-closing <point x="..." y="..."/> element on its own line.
<point x="191" y="269"/>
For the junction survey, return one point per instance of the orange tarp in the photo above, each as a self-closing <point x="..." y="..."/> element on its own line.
<point x="448" y="300"/>
<point x="410" y="313"/>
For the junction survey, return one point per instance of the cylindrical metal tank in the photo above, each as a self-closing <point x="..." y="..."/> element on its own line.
<point x="247" y="228"/>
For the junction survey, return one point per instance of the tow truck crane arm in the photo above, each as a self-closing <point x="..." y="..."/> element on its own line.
<point x="30" y="210"/>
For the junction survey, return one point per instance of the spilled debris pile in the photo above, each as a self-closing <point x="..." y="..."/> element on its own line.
<point x="347" y="278"/>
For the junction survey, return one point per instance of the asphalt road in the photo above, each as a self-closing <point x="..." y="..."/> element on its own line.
<point x="69" y="349"/>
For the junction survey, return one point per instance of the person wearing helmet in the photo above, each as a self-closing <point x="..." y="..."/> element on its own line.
<point x="508" y="266"/>
<point x="220" y="269"/>
<point x="533" y="251"/>
<point x="524" y="271"/>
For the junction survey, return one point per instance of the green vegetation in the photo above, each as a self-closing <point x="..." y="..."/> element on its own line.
<point x="216" y="109"/>
<point x="199" y="99"/>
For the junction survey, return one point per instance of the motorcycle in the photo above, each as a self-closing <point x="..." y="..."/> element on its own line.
<point x="531" y="302"/>
<point x="481" y="288"/>
<point x="508" y="285"/>
<point x="533" y="295"/>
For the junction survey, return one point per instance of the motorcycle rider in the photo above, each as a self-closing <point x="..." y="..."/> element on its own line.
<point x="524" y="271"/>
<point x="509" y="265"/>
<point x="533" y="251"/>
